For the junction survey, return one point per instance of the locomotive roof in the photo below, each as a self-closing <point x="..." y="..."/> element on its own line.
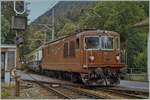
<point x="81" y="31"/>
<point x="84" y="31"/>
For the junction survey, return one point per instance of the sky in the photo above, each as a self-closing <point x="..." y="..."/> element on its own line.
<point x="38" y="7"/>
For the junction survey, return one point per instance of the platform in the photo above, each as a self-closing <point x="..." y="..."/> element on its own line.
<point x="42" y="78"/>
<point x="134" y="85"/>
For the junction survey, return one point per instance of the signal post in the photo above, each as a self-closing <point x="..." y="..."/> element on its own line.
<point x="19" y="24"/>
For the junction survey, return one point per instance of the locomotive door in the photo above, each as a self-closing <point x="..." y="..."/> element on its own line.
<point x="84" y="53"/>
<point x="85" y="60"/>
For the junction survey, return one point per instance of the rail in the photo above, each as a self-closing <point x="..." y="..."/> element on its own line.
<point x="48" y="88"/>
<point x="99" y="92"/>
<point x="127" y="93"/>
<point x="75" y="88"/>
<point x="88" y="92"/>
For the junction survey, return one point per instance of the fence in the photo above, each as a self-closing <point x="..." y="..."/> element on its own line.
<point x="137" y="74"/>
<point x="133" y="73"/>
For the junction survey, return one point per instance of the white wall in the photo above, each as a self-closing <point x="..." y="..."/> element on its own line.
<point x="38" y="55"/>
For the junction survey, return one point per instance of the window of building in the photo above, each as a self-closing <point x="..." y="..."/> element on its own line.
<point x="11" y="59"/>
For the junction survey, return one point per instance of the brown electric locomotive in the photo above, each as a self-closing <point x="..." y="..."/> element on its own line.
<point x="91" y="56"/>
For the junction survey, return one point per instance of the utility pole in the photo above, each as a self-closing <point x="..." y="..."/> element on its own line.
<point x="53" y="23"/>
<point x="45" y="35"/>
<point x="49" y="26"/>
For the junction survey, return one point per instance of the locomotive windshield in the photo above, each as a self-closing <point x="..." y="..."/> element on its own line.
<point x="106" y="42"/>
<point x="101" y="42"/>
<point x="92" y="42"/>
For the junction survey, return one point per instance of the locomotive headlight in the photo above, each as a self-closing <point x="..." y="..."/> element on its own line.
<point x="85" y="66"/>
<point x="118" y="58"/>
<point x="91" y="58"/>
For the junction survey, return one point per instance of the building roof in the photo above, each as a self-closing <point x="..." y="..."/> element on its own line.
<point x="142" y="23"/>
<point x="8" y="46"/>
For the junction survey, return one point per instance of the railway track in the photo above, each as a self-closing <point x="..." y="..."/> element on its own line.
<point x="125" y="93"/>
<point x="139" y="93"/>
<point x="77" y="92"/>
<point x="50" y="89"/>
<point x="69" y="92"/>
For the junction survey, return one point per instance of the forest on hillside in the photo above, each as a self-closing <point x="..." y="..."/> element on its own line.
<point x="120" y="16"/>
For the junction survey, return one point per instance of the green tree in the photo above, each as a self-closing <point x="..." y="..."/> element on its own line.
<point x="68" y="28"/>
<point x="120" y="17"/>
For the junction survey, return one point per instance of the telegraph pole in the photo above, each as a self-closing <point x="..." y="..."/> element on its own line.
<point x="53" y="23"/>
<point x="49" y="26"/>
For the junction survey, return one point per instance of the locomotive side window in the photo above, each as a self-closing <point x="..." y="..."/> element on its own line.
<point x="107" y="42"/>
<point x="92" y="43"/>
<point x="72" y="49"/>
<point x="65" y="50"/>
<point x="77" y="43"/>
<point x="117" y="43"/>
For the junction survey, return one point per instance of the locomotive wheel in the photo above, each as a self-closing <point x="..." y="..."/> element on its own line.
<point x="112" y="77"/>
<point x="104" y="77"/>
<point x="75" y="77"/>
<point x="101" y="77"/>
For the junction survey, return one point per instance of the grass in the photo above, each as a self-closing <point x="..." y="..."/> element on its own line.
<point x="5" y="94"/>
<point x="6" y="90"/>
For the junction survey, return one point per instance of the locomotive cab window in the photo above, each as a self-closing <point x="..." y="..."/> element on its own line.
<point x="92" y="43"/>
<point x="107" y="42"/>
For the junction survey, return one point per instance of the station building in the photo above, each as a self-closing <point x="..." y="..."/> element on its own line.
<point x="8" y="61"/>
